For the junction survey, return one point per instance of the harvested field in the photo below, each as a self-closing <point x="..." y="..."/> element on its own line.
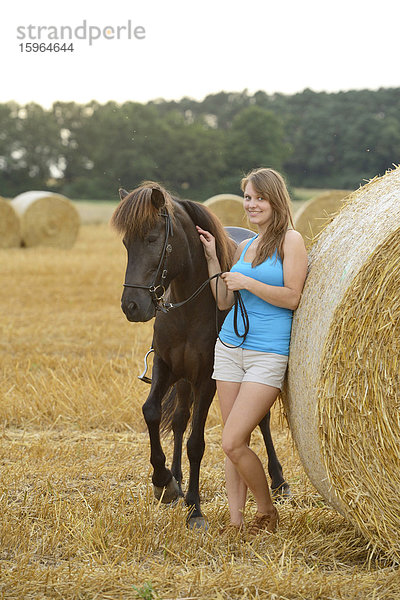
<point x="78" y="519"/>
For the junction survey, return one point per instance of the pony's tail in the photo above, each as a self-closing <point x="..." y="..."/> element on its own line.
<point x="170" y="404"/>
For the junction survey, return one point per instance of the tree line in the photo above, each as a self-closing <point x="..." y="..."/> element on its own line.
<point x="199" y="148"/>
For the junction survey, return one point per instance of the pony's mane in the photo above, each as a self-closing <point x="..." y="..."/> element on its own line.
<point x="136" y="214"/>
<point x="203" y="217"/>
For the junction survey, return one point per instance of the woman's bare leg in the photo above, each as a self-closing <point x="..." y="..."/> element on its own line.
<point x="236" y="489"/>
<point x="251" y="404"/>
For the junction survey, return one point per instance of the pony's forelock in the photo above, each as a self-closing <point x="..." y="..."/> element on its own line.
<point x="136" y="214"/>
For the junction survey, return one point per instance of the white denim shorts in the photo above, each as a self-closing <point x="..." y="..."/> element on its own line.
<point x="241" y="364"/>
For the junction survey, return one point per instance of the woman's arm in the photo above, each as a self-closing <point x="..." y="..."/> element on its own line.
<point x="294" y="276"/>
<point x="225" y="297"/>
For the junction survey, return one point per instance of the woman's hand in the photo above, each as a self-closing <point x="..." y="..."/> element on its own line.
<point x="225" y="297"/>
<point x="235" y="281"/>
<point x="208" y="241"/>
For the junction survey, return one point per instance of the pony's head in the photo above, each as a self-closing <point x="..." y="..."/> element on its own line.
<point x="141" y="218"/>
<point x="154" y="225"/>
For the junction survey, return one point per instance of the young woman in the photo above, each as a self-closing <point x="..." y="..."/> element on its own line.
<point x="269" y="270"/>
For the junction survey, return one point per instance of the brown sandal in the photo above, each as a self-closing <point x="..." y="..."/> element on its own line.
<point x="263" y="522"/>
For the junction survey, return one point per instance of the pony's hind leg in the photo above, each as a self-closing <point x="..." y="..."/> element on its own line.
<point x="203" y="397"/>
<point x="180" y="420"/>
<point x="279" y="487"/>
<point x="166" y="488"/>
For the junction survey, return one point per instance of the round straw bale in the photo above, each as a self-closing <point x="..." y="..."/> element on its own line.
<point x="47" y="219"/>
<point x="229" y="209"/>
<point x="316" y="213"/>
<point x="10" y="230"/>
<point x="343" y="388"/>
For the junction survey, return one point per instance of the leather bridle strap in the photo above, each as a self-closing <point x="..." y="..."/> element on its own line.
<point x="154" y="287"/>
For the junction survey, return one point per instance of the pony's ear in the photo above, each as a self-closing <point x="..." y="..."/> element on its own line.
<point x="157" y="198"/>
<point x="122" y="193"/>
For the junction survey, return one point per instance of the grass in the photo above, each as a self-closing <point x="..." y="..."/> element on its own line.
<point x="77" y="514"/>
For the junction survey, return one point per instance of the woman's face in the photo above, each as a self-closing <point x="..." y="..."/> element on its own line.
<point x="258" y="210"/>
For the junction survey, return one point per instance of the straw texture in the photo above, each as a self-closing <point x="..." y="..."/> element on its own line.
<point x="229" y="209"/>
<point x="10" y="233"/>
<point x="47" y="219"/>
<point x="343" y="389"/>
<point x="78" y="519"/>
<point x="314" y="215"/>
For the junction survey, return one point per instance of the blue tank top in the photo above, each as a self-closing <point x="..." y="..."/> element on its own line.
<point x="270" y="325"/>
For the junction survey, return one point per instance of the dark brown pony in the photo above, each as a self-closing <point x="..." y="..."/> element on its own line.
<point x="165" y="253"/>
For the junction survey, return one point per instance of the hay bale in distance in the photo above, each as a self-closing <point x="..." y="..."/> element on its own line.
<point x="343" y="391"/>
<point x="229" y="209"/>
<point x="316" y="213"/>
<point x="10" y="230"/>
<point x="47" y="219"/>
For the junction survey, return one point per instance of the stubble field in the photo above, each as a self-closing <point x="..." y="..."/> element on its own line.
<point x="77" y="515"/>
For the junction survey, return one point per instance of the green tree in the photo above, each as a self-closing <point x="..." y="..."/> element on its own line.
<point x="8" y="144"/>
<point x="29" y="147"/>
<point x="198" y="148"/>
<point x="255" y="139"/>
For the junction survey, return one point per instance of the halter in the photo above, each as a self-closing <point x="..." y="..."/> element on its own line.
<point x="157" y="290"/>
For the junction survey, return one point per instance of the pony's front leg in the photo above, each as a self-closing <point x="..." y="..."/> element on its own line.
<point x="204" y="395"/>
<point x="279" y="487"/>
<point x="165" y="486"/>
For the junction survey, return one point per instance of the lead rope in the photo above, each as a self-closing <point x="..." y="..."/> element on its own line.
<point x="238" y="303"/>
<point x="169" y="305"/>
<point x="238" y="306"/>
<point x="243" y="312"/>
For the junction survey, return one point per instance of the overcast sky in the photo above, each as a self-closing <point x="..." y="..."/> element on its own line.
<point x="193" y="49"/>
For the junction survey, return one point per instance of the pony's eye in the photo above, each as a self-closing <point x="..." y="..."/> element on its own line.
<point x="152" y="238"/>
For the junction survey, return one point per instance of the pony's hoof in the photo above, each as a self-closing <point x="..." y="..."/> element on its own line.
<point x="167" y="494"/>
<point x="282" y="493"/>
<point x="197" y="523"/>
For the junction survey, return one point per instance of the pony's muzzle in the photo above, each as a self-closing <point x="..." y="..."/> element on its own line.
<point x="136" y="311"/>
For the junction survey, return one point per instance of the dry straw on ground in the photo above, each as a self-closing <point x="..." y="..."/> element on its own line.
<point x="314" y="214"/>
<point x="10" y="232"/>
<point x="229" y="209"/>
<point x="77" y="514"/>
<point x="47" y="219"/>
<point x="344" y="385"/>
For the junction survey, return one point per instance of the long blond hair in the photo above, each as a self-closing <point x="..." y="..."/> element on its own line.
<point x="269" y="184"/>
